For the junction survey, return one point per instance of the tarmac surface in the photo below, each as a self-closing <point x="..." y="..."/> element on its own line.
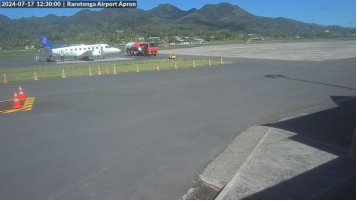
<point x="148" y="135"/>
<point x="304" y="51"/>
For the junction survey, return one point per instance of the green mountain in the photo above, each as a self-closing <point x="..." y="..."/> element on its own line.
<point x="223" y="20"/>
<point x="167" y="11"/>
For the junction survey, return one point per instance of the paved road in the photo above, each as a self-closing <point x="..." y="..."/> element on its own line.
<point x="148" y="135"/>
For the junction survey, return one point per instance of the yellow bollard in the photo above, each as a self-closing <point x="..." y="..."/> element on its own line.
<point x="5" y="79"/>
<point x="99" y="72"/>
<point x="107" y="71"/>
<point x="90" y="71"/>
<point x="209" y="62"/>
<point x="175" y="67"/>
<point x="63" y="75"/>
<point x="35" y="78"/>
<point x="193" y="64"/>
<point x="157" y="66"/>
<point x="114" y="70"/>
<point x="221" y="61"/>
<point x="137" y="69"/>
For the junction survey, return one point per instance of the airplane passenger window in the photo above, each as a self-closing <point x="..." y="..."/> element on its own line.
<point x="75" y="49"/>
<point x="80" y="48"/>
<point x="84" y="48"/>
<point x="71" y="49"/>
<point x="93" y="48"/>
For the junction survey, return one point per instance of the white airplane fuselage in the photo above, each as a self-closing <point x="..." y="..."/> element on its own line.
<point x="85" y="50"/>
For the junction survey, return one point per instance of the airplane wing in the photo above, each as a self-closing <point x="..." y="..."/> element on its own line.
<point x="85" y="53"/>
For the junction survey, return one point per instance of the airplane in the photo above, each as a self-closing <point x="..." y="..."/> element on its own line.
<point x="77" y="51"/>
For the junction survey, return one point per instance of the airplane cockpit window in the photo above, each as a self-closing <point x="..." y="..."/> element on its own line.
<point x="153" y="45"/>
<point x="107" y="46"/>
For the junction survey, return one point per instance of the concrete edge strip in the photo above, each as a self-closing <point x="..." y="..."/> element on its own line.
<point x="240" y="171"/>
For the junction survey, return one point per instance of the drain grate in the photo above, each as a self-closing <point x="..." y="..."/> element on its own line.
<point x="205" y="192"/>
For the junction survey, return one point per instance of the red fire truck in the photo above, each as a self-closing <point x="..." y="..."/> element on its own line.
<point x="142" y="48"/>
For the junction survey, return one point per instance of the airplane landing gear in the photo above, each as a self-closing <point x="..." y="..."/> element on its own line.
<point x="48" y="59"/>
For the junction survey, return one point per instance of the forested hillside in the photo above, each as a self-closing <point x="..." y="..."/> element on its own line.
<point x="223" y="21"/>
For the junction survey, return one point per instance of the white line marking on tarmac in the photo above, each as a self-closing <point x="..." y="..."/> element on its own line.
<point x="6" y="100"/>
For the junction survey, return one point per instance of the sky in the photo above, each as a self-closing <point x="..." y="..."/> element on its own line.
<point x="324" y="12"/>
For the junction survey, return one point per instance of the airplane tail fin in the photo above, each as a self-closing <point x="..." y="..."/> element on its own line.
<point x="45" y="42"/>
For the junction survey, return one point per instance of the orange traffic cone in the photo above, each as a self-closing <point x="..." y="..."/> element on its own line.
<point x="99" y="72"/>
<point x="63" y="75"/>
<point x="35" y="78"/>
<point x="22" y="96"/>
<point x="209" y="62"/>
<point x="157" y="66"/>
<point x="90" y="71"/>
<point x="193" y="64"/>
<point x="221" y="61"/>
<point x="5" y="79"/>
<point x="175" y="67"/>
<point x="137" y="69"/>
<point x="17" y="104"/>
<point x="107" y="71"/>
<point x="114" y="70"/>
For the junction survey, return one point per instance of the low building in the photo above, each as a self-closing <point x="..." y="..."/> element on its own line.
<point x="30" y="47"/>
<point x="199" y="40"/>
<point x="154" y="38"/>
<point x="185" y="43"/>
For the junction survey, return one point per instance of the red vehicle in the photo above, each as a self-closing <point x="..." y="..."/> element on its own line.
<point x="142" y="48"/>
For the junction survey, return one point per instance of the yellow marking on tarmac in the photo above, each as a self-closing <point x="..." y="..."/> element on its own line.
<point x="9" y="111"/>
<point x="27" y="106"/>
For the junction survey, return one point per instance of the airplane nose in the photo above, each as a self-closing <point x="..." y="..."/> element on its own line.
<point x="117" y="50"/>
